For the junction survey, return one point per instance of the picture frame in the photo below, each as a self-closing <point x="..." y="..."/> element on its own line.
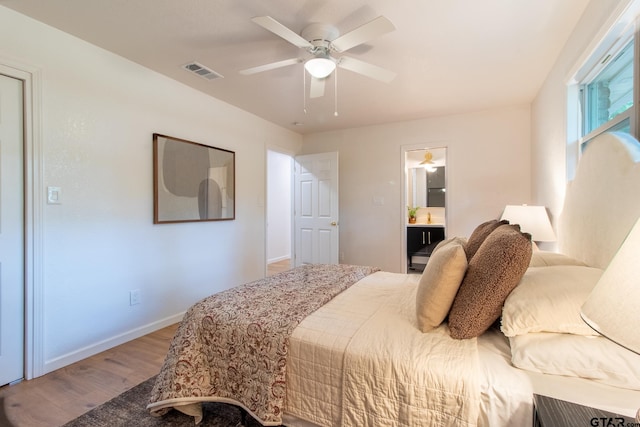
<point x="192" y="181"/>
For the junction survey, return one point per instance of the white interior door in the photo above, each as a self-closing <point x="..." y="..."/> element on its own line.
<point x="316" y="209"/>
<point x="11" y="231"/>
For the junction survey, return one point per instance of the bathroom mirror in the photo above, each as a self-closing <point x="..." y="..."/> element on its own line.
<point x="426" y="177"/>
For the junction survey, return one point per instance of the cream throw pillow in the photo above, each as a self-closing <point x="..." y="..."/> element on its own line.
<point x="439" y="284"/>
<point x="548" y="299"/>
<point x="461" y="240"/>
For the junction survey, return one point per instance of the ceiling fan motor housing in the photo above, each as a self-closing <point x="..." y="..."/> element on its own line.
<point x="320" y="36"/>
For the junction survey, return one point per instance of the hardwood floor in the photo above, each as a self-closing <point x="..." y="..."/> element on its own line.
<point x="62" y="395"/>
<point x="278" y="266"/>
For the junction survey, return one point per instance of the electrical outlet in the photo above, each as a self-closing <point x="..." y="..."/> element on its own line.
<point x="134" y="297"/>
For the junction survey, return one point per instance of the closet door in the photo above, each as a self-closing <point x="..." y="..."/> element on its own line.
<point x="11" y="231"/>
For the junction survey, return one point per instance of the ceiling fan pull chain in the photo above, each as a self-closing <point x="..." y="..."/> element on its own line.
<point x="335" y="92"/>
<point x="304" y="90"/>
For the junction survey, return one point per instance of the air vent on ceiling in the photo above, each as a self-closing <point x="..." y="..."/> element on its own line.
<point x="202" y="71"/>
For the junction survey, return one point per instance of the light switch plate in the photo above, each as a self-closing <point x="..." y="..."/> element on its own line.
<point x="378" y="200"/>
<point x="54" y="195"/>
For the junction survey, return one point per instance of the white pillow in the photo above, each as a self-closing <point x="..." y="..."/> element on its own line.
<point x="548" y="299"/>
<point x="439" y="284"/>
<point x="594" y="358"/>
<point x="546" y="259"/>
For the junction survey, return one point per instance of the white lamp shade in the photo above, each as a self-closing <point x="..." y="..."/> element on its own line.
<point x="532" y="219"/>
<point x="320" y="67"/>
<point x="613" y="307"/>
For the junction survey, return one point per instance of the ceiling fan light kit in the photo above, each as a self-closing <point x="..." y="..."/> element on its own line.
<point x="320" y="67"/>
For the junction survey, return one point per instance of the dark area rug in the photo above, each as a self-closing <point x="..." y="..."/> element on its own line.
<point x="129" y="409"/>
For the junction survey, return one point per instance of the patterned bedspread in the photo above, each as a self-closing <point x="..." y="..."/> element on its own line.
<point x="232" y="346"/>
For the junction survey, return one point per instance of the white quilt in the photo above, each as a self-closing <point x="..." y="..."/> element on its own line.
<point x="361" y="360"/>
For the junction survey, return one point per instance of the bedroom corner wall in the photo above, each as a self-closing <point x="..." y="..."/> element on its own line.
<point x="99" y="113"/>
<point x="550" y="157"/>
<point x="488" y="167"/>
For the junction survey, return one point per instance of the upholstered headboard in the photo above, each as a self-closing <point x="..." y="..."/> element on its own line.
<point x="602" y="203"/>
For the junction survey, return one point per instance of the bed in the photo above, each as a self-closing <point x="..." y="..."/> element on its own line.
<point x="351" y="345"/>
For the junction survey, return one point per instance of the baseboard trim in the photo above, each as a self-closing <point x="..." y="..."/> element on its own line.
<point x="91" y="350"/>
<point x="280" y="258"/>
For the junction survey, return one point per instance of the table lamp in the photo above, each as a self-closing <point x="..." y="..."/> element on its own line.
<point x="613" y="307"/>
<point x="532" y="219"/>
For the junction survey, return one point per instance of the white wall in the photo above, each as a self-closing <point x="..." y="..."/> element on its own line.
<point x="551" y="158"/>
<point x="279" y="195"/>
<point x="488" y="167"/>
<point x="99" y="112"/>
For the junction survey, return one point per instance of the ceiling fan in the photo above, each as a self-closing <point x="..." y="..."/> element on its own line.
<point x="321" y="40"/>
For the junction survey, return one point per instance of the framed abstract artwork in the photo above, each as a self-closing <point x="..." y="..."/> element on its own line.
<point x="192" y="181"/>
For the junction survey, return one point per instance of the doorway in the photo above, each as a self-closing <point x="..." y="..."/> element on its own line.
<point x="279" y="211"/>
<point x="307" y="184"/>
<point x="425" y="203"/>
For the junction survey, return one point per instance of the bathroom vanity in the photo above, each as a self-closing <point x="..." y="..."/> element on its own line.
<point x="421" y="241"/>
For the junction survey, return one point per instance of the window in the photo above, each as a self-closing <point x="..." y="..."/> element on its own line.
<point x="609" y="95"/>
<point x="602" y="92"/>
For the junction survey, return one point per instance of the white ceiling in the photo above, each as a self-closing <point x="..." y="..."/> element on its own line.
<point x="450" y="56"/>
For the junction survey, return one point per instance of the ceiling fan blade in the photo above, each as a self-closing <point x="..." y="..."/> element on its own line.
<point x="316" y="88"/>
<point x="366" y="69"/>
<point x="363" y="34"/>
<point x="268" y="23"/>
<point x="271" y="66"/>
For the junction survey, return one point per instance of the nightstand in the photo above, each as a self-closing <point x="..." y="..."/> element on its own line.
<point x="550" y="412"/>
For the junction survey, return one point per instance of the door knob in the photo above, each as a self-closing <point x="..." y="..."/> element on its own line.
<point x="334" y="223"/>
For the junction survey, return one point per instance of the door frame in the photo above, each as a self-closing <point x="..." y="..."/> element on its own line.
<point x="33" y="213"/>
<point x="430" y="145"/>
